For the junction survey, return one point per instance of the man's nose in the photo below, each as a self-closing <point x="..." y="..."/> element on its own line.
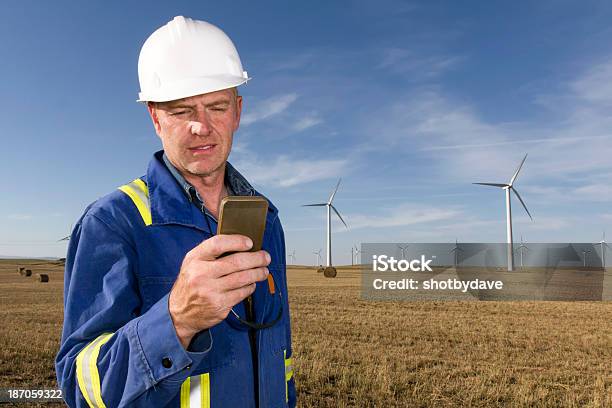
<point x="201" y="125"/>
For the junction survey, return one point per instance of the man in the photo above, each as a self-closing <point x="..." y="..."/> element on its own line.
<point x="155" y="313"/>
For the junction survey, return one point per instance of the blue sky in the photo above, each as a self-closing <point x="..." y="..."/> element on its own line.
<point x="408" y="102"/>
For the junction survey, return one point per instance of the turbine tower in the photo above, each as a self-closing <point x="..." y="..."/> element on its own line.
<point x="456" y="251"/>
<point x="521" y="249"/>
<point x="508" y="188"/>
<point x="357" y="251"/>
<point x="585" y="252"/>
<point x="330" y="207"/>
<point x="292" y="256"/>
<point x="603" y="245"/>
<point x="403" y="249"/>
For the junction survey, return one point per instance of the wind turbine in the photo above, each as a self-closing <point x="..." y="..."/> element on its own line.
<point x="522" y="248"/>
<point x="67" y="237"/>
<point x="357" y="251"/>
<point x="318" y="254"/>
<point x="585" y="252"/>
<point x="330" y="207"/>
<point x="507" y="188"/>
<point x="292" y="256"/>
<point x="604" y="245"/>
<point x="456" y="251"/>
<point x="403" y="249"/>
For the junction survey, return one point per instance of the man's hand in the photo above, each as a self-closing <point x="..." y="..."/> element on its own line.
<point x="207" y="286"/>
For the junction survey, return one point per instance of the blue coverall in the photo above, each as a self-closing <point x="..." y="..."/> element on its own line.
<point x="119" y="346"/>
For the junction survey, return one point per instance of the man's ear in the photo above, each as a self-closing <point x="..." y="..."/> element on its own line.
<point x="238" y="111"/>
<point x="154" y="118"/>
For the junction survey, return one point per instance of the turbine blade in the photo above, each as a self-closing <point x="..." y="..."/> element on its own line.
<point x="67" y="238"/>
<point x="492" y="184"/>
<point x="339" y="216"/>
<point x="331" y="197"/>
<point x="522" y="202"/>
<point x="517" y="170"/>
<point x="314" y="205"/>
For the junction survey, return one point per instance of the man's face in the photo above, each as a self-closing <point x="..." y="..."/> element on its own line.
<point x="197" y="132"/>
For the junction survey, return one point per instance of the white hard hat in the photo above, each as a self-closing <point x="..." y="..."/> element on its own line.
<point x="187" y="57"/>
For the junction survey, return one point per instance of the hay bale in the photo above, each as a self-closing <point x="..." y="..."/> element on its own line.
<point x="42" y="277"/>
<point x="21" y="270"/>
<point x="27" y="272"/>
<point x="330" y="272"/>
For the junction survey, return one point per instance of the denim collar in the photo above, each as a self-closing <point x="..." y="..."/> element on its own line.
<point x="170" y="202"/>
<point x="235" y="183"/>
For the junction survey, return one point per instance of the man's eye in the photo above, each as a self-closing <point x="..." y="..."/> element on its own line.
<point x="181" y="112"/>
<point x="218" y="109"/>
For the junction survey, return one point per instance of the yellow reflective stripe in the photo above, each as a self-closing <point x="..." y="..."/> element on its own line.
<point x="93" y="369"/>
<point x="185" y="393"/>
<point x="205" y="391"/>
<point x="139" y="193"/>
<point x="288" y="367"/>
<point x="80" y="379"/>
<point x="195" y="398"/>
<point x="141" y="186"/>
<point x="88" y="377"/>
<point x="195" y="392"/>
<point x="288" y="373"/>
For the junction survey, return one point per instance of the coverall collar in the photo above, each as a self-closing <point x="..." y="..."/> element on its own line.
<point x="235" y="183"/>
<point x="171" y="203"/>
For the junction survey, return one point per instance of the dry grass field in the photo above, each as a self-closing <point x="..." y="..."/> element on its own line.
<point x="31" y="314"/>
<point x="351" y="352"/>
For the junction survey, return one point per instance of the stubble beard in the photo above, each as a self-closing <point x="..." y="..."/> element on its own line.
<point x="203" y="174"/>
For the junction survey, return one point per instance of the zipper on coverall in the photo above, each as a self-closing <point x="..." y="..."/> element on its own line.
<point x="250" y="312"/>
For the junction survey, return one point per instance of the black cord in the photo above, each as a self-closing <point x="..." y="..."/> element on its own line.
<point x="260" y="326"/>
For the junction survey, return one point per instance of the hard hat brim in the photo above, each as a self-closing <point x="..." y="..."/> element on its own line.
<point x="171" y="91"/>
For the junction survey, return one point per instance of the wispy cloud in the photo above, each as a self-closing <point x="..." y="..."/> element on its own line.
<point x="594" y="192"/>
<point x="267" y="108"/>
<point x="295" y="61"/>
<point x="461" y="144"/>
<point x="594" y="85"/>
<point x="20" y="217"/>
<point x="522" y="142"/>
<point x="306" y="122"/>
<point x="403" y="215"/>
<point x="287" y="171"/>
<point x="403" y="60"/>
<point x="542" y="223"/>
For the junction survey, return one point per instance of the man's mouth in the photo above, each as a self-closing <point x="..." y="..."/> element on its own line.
<point x="202" y="148"/>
